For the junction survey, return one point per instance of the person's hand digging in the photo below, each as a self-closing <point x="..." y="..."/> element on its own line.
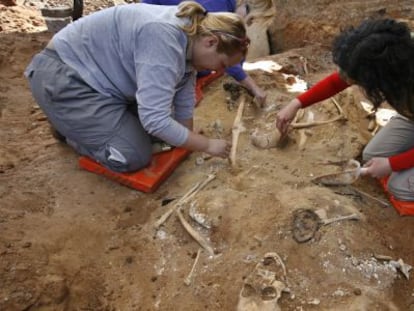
<point x="219" y="148"/>
<point x="286" y="115"/>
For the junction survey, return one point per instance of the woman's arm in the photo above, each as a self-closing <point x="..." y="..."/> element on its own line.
<point x="322" y="90"/>
<point x="244" y="79"/>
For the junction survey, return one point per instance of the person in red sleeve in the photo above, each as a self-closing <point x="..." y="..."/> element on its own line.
<point x="378" y="56"/>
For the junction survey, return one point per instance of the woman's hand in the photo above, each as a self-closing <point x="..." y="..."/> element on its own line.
<point x="214" y="147"/>
<point x="286" y="115"/>
<point x="259" y="94"/>
<point x="218" y="148"/>
<point x="378" y="167"/>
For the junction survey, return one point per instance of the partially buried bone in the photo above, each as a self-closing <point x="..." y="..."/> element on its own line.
<point x="194" y="233"/>
<point x="262" y="288"/>
<point x="306" y="223"/>
<point x="402" y="267"/>
<point x="265" y="140"/>
<point x="340" y="218"/>
<point x="236" y="130"/>
<point x="189" y="277"/>
<point x="184" y="199"/>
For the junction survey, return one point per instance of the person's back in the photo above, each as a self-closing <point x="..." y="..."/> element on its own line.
<point x="209" y="5"/>
<point x="110" y="68"/>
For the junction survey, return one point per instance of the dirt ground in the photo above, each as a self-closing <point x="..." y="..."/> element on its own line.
<point x="73" y="240"/>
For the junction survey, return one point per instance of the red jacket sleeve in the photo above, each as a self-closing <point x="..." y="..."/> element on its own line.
<point x="402" y="161"/>
<point x="322" y="90"/>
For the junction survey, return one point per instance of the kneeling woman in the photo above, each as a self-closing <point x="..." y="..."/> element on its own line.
<point x="113" y="80"/>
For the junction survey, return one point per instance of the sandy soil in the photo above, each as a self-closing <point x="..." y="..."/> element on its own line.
<point x="72" y="240"/>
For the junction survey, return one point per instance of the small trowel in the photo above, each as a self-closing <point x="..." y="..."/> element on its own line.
<point x="347" y="176"/>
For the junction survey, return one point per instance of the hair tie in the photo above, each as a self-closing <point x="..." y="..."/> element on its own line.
<point x="205" y="13"/>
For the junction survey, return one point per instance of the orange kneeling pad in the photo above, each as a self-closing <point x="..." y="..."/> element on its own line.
<point x="404" y="208"/>
<point x="147" y="179"/>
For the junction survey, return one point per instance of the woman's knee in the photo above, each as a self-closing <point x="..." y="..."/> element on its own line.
<point x="401" y="187"/>
<point x="123" y="161"/>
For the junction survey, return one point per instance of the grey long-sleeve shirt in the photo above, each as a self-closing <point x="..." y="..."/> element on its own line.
<point x="136" y="50"/>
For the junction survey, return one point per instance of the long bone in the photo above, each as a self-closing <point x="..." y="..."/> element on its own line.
<point x="189" y="278"/>
<point x="236" y="130"/>
<point x="197" y="236"/>
<point x="340" y="218"/>
<point x="184" y="199"/>
<point x="340" y="116"/>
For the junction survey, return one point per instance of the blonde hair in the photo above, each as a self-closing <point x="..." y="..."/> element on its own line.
<point x="229" y="28"/>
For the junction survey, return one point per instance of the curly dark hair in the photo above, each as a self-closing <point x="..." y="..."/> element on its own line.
<point x="378" y="55"/>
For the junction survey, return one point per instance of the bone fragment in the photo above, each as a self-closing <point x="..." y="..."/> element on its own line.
<point x="197" y="236"/>
<point x="382" y="257"/>
<point x="189" y="278"/>
<point x="276" y="256"/>
<point x="402" y="267"/>
<point x="236" y="130"/>
<point x="399" y="264"/>
<point x="299" y="115"/>
<point x="371" y="125"/>
<point x="305" y="64"/>
<point x="340" y="116"/>
<point x="303" y="135"/>
<point x="184" y="199"/>
<point x="338" y="107"/>
<point x="315" y="123"/>
<point x="340" y="218"/>
<point x="375" y="130"/>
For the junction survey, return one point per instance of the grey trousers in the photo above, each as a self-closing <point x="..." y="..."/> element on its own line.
<point x="396" y="137"/>
<point x="103" y="128"/>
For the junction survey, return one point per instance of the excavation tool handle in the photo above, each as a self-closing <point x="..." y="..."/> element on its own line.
<point x="77" y="9"/>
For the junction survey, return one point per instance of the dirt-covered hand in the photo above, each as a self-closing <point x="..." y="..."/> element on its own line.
<point x="378" y="167"/>
<point x="286" y="115"/>
<point x="218" y="148"/>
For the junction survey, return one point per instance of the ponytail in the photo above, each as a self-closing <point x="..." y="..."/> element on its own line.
<point x="195" y="12"/>
<point x="229" y="28"/>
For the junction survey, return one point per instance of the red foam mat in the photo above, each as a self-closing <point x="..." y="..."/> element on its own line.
<point x="147" y="179"/>
<point x="404" y="208"/>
